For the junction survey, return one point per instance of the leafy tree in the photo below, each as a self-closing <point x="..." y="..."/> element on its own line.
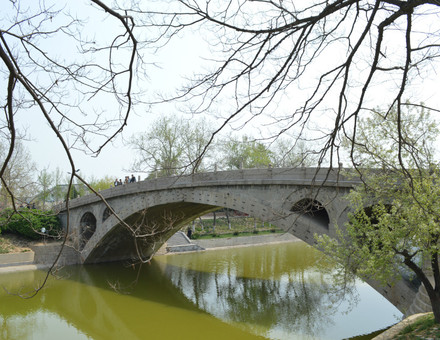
<point x="30" y="223"/>
<point x="17" y="183"/>
<point x="246" y="153"/>
<point x="394" y="227"/>
<point x="171" y="146"/>
<point x="395" y="140"/>
<point x="45" y="182"/>
<point x="102" y="183"/>
<point x="52" y="186"/>
<point x="195" y="138"/>
<point x="59" y="191"/>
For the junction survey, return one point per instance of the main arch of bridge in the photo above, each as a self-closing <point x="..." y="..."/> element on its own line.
<point x="301" y="201"/>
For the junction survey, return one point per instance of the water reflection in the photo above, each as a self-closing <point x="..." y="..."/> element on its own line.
<point x="273" y="292"/>
<point x="267" y="290"/>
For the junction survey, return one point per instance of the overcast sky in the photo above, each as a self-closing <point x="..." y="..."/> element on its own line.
<point x="177" y="61"/>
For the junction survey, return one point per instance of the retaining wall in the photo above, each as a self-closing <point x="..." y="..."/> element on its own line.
<point x="16" y="259"/>
<point x="47" y="253"/>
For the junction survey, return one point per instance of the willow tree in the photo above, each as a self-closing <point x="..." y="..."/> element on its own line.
<point x="394" y="227"/>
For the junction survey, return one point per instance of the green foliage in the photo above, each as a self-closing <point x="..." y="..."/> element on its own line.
<point x="401" y="225"/>
<point x="172" y="146"/>
<point x="423" y="327"/>
<point x="5" y="247"/>
<point x="29" y="223"/>
<point x="240" y="226"/>
<point x="247" y="153"/>
<point x="394" y="227"/>
<point x="389" y="140"/>
<point x="45" y="182"/>
<point x="102" y="183"/>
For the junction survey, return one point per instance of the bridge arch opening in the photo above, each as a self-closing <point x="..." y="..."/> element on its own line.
<point x="313" y="209"/>
<point x="87" y="228"/>
<point x="106" y="214"/>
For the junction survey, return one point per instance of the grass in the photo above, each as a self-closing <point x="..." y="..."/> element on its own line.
<point x="424" y="327"/>
<point x="239" y="226"/>
<point x="13" y="244"/>
<point x="235" y="234"/>
<point x="5" y="246"/>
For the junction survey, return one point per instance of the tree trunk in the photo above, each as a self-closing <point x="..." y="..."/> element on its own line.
<point x="434" y="298"/>
<point x="227" y="217"/>
<point x="213" y="224"/>
<point x="436" y="308"/>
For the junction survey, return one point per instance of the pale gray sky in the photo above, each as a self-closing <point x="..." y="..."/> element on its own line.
<point x="180" y="59"/>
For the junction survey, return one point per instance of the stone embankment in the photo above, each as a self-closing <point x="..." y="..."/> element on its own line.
<point x="39" y="256"/>
<point x="43" y="255"/>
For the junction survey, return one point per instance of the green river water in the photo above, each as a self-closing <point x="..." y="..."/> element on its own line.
<point x="263" y="292"/>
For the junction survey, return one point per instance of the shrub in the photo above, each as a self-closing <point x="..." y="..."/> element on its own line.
<point x="29" y="222"/>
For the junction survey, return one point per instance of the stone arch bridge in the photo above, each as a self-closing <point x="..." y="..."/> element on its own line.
<point x="301" y="201"/>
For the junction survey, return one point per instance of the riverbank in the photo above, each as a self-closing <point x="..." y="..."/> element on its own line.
<point x="20" y="257"/>
<point x="398" y="331"/>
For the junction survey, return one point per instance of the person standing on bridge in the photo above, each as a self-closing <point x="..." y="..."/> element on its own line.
<point x="132" y="179"/>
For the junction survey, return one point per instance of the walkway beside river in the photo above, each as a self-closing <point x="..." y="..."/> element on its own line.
<point x="179" y="242"/>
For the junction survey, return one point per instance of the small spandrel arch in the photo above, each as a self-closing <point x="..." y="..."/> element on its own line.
<point x="87" y="228"/>
<point x="313" y="209"/>
<point x="106" y="214"/>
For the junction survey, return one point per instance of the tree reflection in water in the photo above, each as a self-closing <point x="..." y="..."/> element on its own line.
<point x="267" y="289"/>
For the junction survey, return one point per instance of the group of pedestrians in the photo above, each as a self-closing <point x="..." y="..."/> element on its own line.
<point x="126" y="181"/>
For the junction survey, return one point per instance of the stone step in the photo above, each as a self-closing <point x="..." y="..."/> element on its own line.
<point x="178" y="239"/>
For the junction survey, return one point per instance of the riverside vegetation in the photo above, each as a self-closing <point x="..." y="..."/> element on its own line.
<point x="222" y="226"/>
<point x="19" y="229"/>
<point x="424" y="327"/>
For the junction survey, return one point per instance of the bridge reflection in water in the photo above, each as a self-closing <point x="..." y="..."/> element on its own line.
<point x="270" y="291"/>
